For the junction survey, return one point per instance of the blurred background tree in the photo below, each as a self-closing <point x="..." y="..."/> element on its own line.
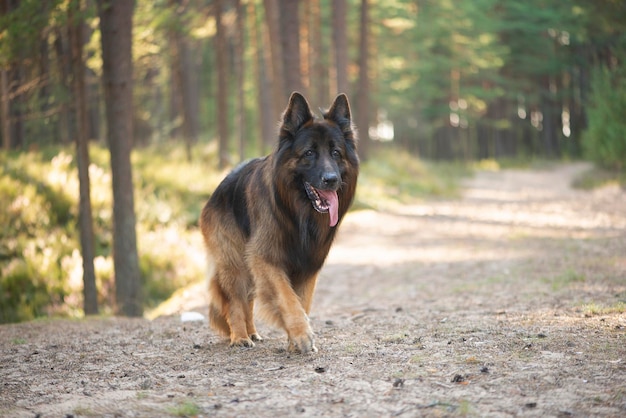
<point x="453" y="80"/>
<point x="605" y="139"/>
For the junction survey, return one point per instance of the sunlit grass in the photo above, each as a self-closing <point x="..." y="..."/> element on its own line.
<point x="175" y="189"/>
<point x="394" y="177"/>
<point x="37" y="224"/>
<point x="516" y="163"/>
<point x="593" y="309"/>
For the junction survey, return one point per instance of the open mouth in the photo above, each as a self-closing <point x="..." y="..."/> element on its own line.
<point x="324" y="201"/>
<point x="319" y="204"/>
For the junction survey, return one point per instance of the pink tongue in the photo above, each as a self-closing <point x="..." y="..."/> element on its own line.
<point x="333" y="204"/>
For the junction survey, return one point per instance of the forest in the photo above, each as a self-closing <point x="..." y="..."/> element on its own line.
<point x="179" y="90"/>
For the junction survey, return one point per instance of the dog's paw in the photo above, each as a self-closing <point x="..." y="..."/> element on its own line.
<point x="256" y="337"/>
<point x="302" y="344"/>
<point x="242" y="342"/>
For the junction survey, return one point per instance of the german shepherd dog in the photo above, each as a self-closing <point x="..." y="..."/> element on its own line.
<point x="269" y="225"/>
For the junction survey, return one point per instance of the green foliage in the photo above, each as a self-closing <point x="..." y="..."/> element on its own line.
<point x="22" y="297"/>
<point x="34" y="237"/>
<point x="39" y="252"/>
<point x="437" y="61"/>
<point x="22" y="27"/>
<point x="453" y="71"/>
<point x="605" y="140"/>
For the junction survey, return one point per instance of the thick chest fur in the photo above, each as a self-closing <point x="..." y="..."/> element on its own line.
<point x="306" y="247"/>
<point x="289" y="234"/>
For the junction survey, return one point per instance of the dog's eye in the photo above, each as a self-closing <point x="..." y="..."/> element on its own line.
<point x="309" y="153"/>
<point x="336" y="153"/>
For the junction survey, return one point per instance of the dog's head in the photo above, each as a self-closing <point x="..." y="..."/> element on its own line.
<point x="321" y="154"/>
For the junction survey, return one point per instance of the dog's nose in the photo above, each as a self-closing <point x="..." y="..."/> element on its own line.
<point x="330" y="180"/>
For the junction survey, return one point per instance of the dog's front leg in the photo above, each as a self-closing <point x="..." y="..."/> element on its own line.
<point x="281" y="305"/>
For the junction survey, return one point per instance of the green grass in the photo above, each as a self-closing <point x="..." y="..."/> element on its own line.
<point x="564" y="279"/>
<point x="593" y="309"/>
<point x="395" y="177"/>
<point x="83" y="411"/>
<point x="40" y="261"/>
<point x="465" y="408"/>
<point x="185" y="409"/>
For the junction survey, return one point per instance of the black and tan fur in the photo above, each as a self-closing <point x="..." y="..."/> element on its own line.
<point x="265" y="238"/>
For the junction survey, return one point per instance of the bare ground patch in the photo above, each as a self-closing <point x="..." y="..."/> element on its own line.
<point x="508" y="302"/>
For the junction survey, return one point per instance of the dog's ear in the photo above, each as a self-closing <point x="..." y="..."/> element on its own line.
<point x="339" y="110"/>
<point x="297" y="114"/>
<point x="339" y="113"/>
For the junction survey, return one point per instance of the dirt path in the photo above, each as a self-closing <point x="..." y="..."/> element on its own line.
<point x="508" y="302"/>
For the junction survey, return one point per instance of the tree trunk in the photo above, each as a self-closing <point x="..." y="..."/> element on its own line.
<point x="184" y="78"/>
<point x="240" y="113"/>
<point x="550" y="115"/>
<point x="117" y="72"/>
<point x="188" y="90"/>
<point x="44" y="69"/>
<point x="93" y="103"/>
<point x="290" y="44"/>
<point x="340" y="44"/>
<point x="222" y="87"/>
<point x="175" y="102"/>
<point x="90" y="292"/>
<point x="318" y="60"/>
<point x="65" y="118"/>
<point x="363" y="92"/>
<point x="16" y="104"/>
<point x="4" y="109"/>
<point x="5" y="122"/>
<point x="272" y="19"/>
<point x="305" y="46"/>
<point x="266" y="118"/>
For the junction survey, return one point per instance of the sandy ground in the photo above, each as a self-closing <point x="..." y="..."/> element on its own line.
<point x="508" y="302"/>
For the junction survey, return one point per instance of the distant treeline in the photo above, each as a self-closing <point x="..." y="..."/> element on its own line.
<point x="450" y="79"/>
